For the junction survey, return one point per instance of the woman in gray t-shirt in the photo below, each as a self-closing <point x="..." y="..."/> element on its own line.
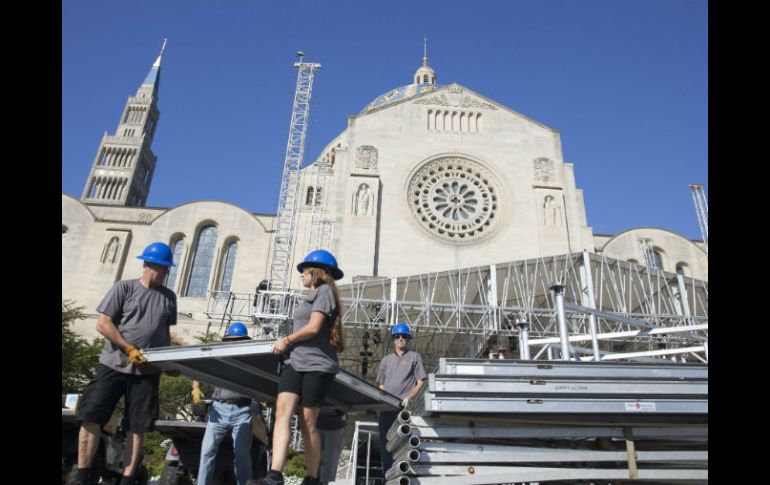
<point x="309" y="370"/>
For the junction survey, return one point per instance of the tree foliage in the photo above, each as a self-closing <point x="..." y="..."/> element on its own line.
<point x="295" y="467"/>
<point x="78" y="356"/>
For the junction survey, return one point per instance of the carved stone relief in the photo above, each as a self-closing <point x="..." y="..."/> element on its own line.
<point x="455" y="99"/>
<point x="544" y="169"/>
<point x="366" y="157"/>
<point x="110" y="251"/>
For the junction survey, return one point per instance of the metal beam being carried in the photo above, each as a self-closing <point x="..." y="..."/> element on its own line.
<point x="250" y="368"/>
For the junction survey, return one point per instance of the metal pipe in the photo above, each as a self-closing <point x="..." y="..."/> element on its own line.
<point x="523" y="339"/>
<point x="558" y="295"/>
<point x="399" y="468"/>
<point x="591" y="303"/>
<point x="404" y="416"/>
<point x="368" y="455"/>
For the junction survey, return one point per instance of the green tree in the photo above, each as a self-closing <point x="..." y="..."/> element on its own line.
<point x="154" y="458"/>
<point x="295" y="466"/>
<point x="78" y="357"/>
<point x="208" y="337"/>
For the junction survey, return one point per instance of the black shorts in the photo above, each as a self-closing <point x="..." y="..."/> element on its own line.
<point x="310" y="386"/>
<point x="101" y="395"/>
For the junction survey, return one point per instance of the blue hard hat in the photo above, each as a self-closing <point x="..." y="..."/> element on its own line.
<point x="401" y="329"/>
<point x="320" y="258"/>
<point x="236" y="331"/>
<point x="158" y="253"/>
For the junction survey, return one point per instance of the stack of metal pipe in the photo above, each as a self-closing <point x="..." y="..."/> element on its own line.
<point x="510" y="421"/>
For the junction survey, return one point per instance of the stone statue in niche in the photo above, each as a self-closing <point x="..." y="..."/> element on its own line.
<point x="363" y="201"/>
<point x="110" y="251"/>
<point x="366" y="157"/>
<point x="551" y="212"/>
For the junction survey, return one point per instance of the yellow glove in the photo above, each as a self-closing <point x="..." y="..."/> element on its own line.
<point x="197" y="395"/>
<point x="135" y="355"/>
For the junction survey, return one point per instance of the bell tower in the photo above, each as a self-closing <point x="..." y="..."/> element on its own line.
<point x="124" y="164"/>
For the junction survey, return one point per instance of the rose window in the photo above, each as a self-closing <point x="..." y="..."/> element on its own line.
<point x="455" y="199"/>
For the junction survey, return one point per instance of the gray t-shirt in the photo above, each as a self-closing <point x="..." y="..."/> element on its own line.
<point x="142" y="316"/>
<point x="316" y="354"/>
<point x="399" y="374"/>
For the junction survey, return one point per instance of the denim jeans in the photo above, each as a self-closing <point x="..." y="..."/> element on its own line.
<point x="223" y="418"/>
<point x="385" y="421"/>
<point x="331" y="448"/>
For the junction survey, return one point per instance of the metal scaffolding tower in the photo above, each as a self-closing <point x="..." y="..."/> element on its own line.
<point x="702" y="209"/>
<point x="283" y="241"/>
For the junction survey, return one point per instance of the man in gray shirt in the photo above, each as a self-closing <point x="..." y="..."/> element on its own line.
<point x="135" y="314"/>
<point x="402" y="374"/>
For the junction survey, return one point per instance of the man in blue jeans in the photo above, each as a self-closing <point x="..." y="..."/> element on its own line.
<point x="402" y="374"/>
<point x="230" y="411"/>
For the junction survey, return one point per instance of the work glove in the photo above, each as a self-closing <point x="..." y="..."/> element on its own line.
<point x="196" y="396"/>
<point x="405" y="403"/>
<point x="135" y="355"/>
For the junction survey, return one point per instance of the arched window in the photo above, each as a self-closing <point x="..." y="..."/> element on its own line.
<point x="229" y="259"/>
<point x="201" y="267"/>
<point x="177" y="247"/>
<point x="681" y="269"/>
<point x="425" y="78"/>
<point x="63" y="234"/>
<point x="657" y="259"/>
<point x="309" y="196"/>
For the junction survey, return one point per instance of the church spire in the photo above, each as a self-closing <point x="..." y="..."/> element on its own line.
<point x="425" y="73"/>
<point x="122" y="170"/>
<point x="153" y="77"/>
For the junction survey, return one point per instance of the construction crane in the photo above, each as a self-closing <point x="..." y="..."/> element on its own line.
<point x="702" y="209"/>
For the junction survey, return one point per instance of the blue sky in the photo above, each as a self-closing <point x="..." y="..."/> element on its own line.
<point x="625" y="82"/>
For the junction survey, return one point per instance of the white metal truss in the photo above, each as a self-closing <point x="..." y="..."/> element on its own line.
<point x="648" y="254"/>
<point x="702" y="210"/>
<point x="613" y="310"/>
<point x="283" y="241"/>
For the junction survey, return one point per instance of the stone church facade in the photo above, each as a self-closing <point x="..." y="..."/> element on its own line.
<point x="425" y="178"/>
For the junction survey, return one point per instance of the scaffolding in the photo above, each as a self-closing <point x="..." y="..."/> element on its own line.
<point x="611" y="310"/>
<point x="702" y="210"/>
<point x="283" y="241"/>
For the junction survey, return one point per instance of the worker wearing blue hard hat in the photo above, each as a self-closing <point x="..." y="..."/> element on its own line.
<point x="402" y="374"/>
<point x="312" y="362"/>
<point x="135" y="314"/>
<point x="231" y="412"/>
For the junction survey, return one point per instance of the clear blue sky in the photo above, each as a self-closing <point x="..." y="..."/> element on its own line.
<point x="625" y="82"/>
